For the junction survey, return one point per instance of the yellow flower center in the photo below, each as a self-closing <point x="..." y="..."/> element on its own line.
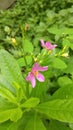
<point x="35" y="73"/>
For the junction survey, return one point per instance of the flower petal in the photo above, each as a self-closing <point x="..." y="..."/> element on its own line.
<point x="44" y="68"/>
<point x="42" y="43"/>
<point x="49" y="46"/>
<point x="31" y="78"/>
<point x="33" y="81"/>
<point x="40" y="77"/>
<point x="35" y="67"/>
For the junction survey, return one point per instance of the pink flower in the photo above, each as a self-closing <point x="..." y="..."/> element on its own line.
<point x="34" y="74"/>
<point x="47" y="45"/>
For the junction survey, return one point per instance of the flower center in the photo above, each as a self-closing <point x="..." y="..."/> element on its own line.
<point x="35" y="73"/>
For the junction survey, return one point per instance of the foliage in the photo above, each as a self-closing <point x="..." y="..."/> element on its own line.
<point x="49" y="105"/>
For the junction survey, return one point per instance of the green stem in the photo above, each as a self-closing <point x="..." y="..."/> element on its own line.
<point x="23" y="51"/>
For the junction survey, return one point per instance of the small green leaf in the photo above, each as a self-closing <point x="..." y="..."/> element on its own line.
<point x="27" y="45"/>
<point x="66" y="43"/>
<point x="65" y="92"/>
<point x="21" y="62"/>
<point x="28" y="59"/>
<point x="59" y="64"/>
<point x="9" y="111"/>
<point x="64" y="80"/>
<point x="69" y="68"/>
<point x="32" y="102"/>
<point x="16" y="114"/>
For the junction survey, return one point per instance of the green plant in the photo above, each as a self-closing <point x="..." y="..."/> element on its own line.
<point x="22" y="106"/>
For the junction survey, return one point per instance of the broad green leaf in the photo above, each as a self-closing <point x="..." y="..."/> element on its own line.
<point x="6" y="90"/>
<point x="59" y="109"/>
<point x="7" y="85"/>
<point x="69" y="68"/>
<point x="5" y="125"/>
<point x="31" y="102"/>
<point x="35" y="123"/>
<point x="27" y="45"/>
<point x="21" y="123"/>
<point x="65" y="92"/>
<point x="59" y="64"/>
<point x="11" y="70"/>
<point x="60" y="31"/>
<point x="9" y="111"/>
<point x="64" y="80"/>
<point x="55" y="30"/>
<point x="12" y="114"/>
<point x="56" y="125"/>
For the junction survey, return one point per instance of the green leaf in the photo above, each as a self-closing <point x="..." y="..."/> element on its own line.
<point x="64" y="80"/>
<point x="35" y="123"/>
<point x="60" y="31"/>
<point x="9" y="111"/>
<point x="16" y="114"/>
<point x="59" y="64"/>
<point x="27" y="45"/>
<point x="55" y="30"/>
<point x="6" y="90"/>
<point x="6" y="84"/>
<point x="69" y="68"/>
<point x="12" y="114"/>
<point x="10" y="70"/>
<point x="65" y="92"/>
<point x="30" y="103"/>
<point x="21" y="62"/>
<point x="56" y="125"/>
<point x="5" y="125"/>
<point x="59" y="109"/>
<point x="27" y="122"/>
<point x="28" y="59"/>
<point x="66" y="42"/>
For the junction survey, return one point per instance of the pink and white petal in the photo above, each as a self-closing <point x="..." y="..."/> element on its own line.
<point x="48" y="45"/>
<point x="40" y="77"/>
<point x="54" y="45"/>
<point x="42" y="43"/>
<point x="31" y="78"/>
<point x="33" y="81"/>
<point x="35" y="67"/>
<point x="44" y="68"/>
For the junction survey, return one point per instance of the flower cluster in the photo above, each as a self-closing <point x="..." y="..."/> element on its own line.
<point x="35" y="71"/>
